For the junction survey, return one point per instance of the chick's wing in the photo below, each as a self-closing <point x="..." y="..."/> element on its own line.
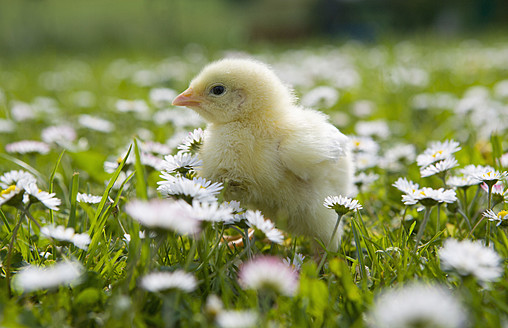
<point x="313" y="141"/>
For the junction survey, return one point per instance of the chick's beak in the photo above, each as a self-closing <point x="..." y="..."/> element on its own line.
<point x="187" y="98"/>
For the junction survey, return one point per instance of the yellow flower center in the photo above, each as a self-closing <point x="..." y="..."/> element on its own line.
<point x="439" y="152"/>
<point x="357" y="143"/>
<point x="502" y="214"/>
<point x="8" y="190"/>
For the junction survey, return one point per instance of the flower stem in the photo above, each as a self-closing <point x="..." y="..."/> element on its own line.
<point x="419" y="236"/>
<point x="323" y="259"/>
<point x="9" y="256"/>
<point x="487" y="237"/>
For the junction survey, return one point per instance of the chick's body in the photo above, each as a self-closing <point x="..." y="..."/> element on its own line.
<point x="274" y="155"/>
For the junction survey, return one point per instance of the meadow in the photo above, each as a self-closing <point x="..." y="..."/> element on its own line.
<point x="104" y="223"/>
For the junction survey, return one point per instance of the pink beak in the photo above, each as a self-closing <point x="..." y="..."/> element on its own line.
<point x="188" y="99"/>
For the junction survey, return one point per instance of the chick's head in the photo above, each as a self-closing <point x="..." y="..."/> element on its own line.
<point x="234" y="89"/>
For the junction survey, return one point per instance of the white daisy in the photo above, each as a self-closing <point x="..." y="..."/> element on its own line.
<point x="27" y="147"/>
<point x="162" y="281"/>
<point x="504" y="160"/>
<point x="363" y="144"/>
<point x="461" y="182"/>
<point x="18" y="178"/>
<point x="47" y="199"/>
<point x="181" y="162"/>
<point x="193" y="141"/>
<point x="257" y="220"/>
<point x="437" y="151"/>
<point x="88" y="198"/>
<point x="406" y="186"/>
<point x="236" y="319"/>
<point x="341" y="204"/>
<point x="196" y="189"/>
<point x="397" y="157"/>
<point x="164" y="214"/>
<point x="213" y="212"/>
<point x="62" y="135"/>
<point x="135" y="106"/>
<point x="490" y="177"/>
<point x="12" y="195"/>
<point x="161" y="97"/>
<point x="428" y="196"/>
<point x="363" y="179"/>
<point x="500" y="218"/>
<point x="296" y="263"/>
<point x="321" y="96"/>
<point x="417" y="305"/>
<point x="156" y="148"/>
<point x="33" y="278"/>
<point x="471" y="258"/>
<point x="365" y="160"/>
<point x="377" y="128"/>
<point x="61" y="233"/>
<point x="268" y="272"/>
<point x="439" y="167"/>
<point x="95" y="123"/>
<point x="7" y="126"/>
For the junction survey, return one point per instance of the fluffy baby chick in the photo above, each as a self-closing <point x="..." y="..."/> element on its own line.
<point x="274" y="155"/>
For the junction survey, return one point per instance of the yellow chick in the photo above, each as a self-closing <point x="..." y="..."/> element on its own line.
<point x="274" y="155"/>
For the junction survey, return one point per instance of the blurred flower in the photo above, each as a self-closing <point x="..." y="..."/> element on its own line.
<point x="179" y="117"/>
<point x="156" y="148"/>
<point x="268" y="272"/>
<point x="21" y="111"/>
<point x="504" y="160"/>
<point x="62" y="135"/>
<point x="437" y="151"/>
<point x="296" y="263"/>
<point x="341" y="204"/>
<point x="161" y="97"/>
<point x="499" y="193"/>
<point x="61" y="233"/>
<point x="320" y="97"/>
<point x="7" y="126"/>
<point x="471" y="258"/>
<point x="236" y="319"/>
<point x="96" y="123"/>
<point x="213" y="212"/>
<point x="365" y="160"/>
<point x="164" y="214"/>
<point x="135" y="106"/>
<point x="377" y="128"/>
<point x="363" y="144"/>
<point x="256" y="220"/>
<point x="33" y="278"/>
<point x="162" y="281"/>
<point x="363" y="179"/>
<point x="461" y="182"/>
<point x="439" y="167"/>
<point x="398" y="157"/>
<point x="417" y="305"/>
<point x="27" y="146"/>
<point x="500" y="218"/>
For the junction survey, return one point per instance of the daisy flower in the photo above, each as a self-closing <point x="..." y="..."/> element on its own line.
<point x="95" y="123"/>
<point x="321" y="96"/>
<point x="16" y="178"/>
<point x="162" y="281"/>
<point x="164" y="214"/>
<point x="428" y="196"/>
<point x="61" y="233"/>
<point x="499" y="193"/>
<point x="257" y="220"/>
<point x="341" y="204"/>
<point x="365" y="160"/>
<point x="135" y="106"/>
<point x="377" y="128"/>
<point x="504" y="160"/>
<point x="33" y="278"/>
<point x="7" y="126"/>
<point x="197" y="189"/>
<point x="471" y="258"/>
<point x="161" y="97"/>
<point x="439" y="167"/>
<point x="500" y="218"/>
<point x="296" y="263"/>
<point x="363" y="144"/>
<point x="268" y="272"/>
<point x="62" y="135"/>
<point x="12" y="195"/>
<point x="212" y="212"/>
<point x="47" y="199"/>
<point x="236" y="319"/>
<point x="405" y="185"/>
<point x="193" y="141"/>
<point x="181" y="163"/>
<point x="397" y="157"/>
<point x="490" y="177"/>
<point x="436" y="152"/>
<point x="365" y="179"/>
<point x="88" y="198"/>
<point x="28" y="147"/>
<point x="461" y="182"/>
<point x="417" y="305"/>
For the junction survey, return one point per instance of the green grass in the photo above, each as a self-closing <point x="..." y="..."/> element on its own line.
<point x="377" y="248"/>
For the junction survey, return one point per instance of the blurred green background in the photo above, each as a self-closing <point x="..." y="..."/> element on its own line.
<point x="28" y="26"/>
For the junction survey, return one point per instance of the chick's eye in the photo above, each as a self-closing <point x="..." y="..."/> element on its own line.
<point x="218" y="90"/>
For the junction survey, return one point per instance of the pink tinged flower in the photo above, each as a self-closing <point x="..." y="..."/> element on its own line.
<point x="27" y="147"/>
<point x="436" y="152"/>
<point x="268" y="272"/>
<point x="164" y="214"/>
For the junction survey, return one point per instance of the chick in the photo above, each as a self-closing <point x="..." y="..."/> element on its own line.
<point x="274" y="155"/>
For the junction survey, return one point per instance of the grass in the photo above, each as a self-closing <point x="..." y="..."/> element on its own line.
<point x="379" y="248"/>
